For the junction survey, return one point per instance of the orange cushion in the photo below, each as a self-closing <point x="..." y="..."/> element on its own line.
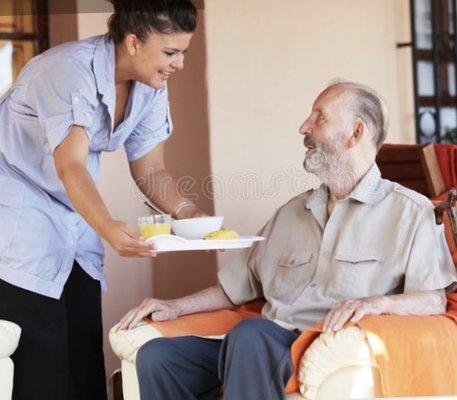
<point x="447" y="160"/>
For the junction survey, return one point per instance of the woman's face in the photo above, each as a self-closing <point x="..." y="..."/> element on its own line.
<point x="157" y="58"/>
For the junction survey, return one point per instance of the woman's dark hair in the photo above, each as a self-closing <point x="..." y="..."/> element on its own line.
<point x="141" y="17"/>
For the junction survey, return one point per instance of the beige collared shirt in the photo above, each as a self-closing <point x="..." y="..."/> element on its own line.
<point x="381" y="240"/>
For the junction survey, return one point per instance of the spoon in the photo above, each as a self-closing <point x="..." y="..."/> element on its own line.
<point x="155" y="207"/>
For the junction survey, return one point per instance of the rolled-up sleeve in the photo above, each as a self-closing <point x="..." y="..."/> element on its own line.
<point x="62" y="96"/>
<point x="154" y="128"/>
<point x="430" y="264"/>
<point x="238" y="280"/>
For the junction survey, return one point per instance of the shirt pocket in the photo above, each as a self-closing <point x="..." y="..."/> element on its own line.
<point x="11" y="204"/>
<point x="42" y="241"/>
<point x="353" y="274"/>
<point x="292" y="273"/>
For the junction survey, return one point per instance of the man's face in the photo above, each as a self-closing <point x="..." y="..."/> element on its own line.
<point x="326" y="131"/>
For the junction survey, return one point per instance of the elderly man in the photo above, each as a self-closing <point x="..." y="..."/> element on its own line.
<point x="357" y="245"/>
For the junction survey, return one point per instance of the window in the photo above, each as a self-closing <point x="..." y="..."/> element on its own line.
<point x="23" y="34"/>
<point x="434" y="60"/>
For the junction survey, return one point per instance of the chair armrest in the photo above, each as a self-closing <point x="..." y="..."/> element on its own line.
<point x="126" y="343"/>
<point x="9" y="338"/>
<point x="338" y="364"/>
<point x="448" y="206"/>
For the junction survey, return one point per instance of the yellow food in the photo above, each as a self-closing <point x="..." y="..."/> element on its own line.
<point x="222" y="234"/>
<point x="150" y="230"/>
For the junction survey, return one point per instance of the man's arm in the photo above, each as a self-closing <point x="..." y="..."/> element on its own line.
<point x="211" y="299"/>
<point x="420" y="303"/>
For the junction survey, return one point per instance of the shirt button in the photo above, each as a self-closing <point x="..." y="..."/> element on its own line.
<point x="76" y="100"/>
<point x="325" y="253"/>
<point x="313" y="285"/>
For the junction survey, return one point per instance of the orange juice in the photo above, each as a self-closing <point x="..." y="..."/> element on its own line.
<point x="154" y="225"/>
<point x="150" y="230"/>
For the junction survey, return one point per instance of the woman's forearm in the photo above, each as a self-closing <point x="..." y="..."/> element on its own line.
<point x="156" y="183"/>
<point x="84" y="196"/>
<point x="162" y="189"/>
<point x="211" y="299"/>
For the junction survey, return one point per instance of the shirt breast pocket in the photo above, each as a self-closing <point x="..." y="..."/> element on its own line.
<point x="354" y="274"/>
<point x="292" y="273"/>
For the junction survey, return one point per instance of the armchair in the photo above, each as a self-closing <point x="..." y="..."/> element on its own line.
<point x="351" y="363"/>
<point x="337" y="365"/>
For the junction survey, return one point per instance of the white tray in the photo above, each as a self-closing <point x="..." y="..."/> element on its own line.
<point x="177" y="243"/>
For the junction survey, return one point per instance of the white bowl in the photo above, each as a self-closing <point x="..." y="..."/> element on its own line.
<point x="196" y="228"/>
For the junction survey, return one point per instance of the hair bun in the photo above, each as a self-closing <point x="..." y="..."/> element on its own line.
<point x="120" y="5"/>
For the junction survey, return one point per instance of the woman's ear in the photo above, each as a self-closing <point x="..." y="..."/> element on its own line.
<point x="357" y="134"/>
<point x="131" y="43"/>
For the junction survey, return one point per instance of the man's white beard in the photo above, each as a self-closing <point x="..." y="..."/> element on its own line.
<point x="331" y="164"/>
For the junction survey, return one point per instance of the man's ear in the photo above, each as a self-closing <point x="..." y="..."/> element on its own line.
<point x="357" y="133"/>
<point x="131" y="43"/>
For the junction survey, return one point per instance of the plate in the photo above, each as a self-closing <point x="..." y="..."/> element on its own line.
<point x="177" y="243"/>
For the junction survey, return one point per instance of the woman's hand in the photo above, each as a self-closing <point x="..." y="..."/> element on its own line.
<point x="160" y="310"/>
<point x="126" y="241"/>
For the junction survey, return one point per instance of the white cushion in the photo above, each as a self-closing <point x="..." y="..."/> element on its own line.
<point x="9" y="338"/>
<point x="345" y="359"/>
<point x="6" y="378"/>
<point x="125" y="343"/>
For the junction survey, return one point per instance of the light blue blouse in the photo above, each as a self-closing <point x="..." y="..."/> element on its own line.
<point x="73" y="84"/>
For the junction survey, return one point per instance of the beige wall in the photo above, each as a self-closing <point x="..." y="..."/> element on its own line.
<point x="267" y="61"/>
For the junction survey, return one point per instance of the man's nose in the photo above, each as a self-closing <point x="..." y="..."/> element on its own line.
<point x="304" y="128"/>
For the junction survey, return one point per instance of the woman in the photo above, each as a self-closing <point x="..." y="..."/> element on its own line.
<point x="67" y="106"/>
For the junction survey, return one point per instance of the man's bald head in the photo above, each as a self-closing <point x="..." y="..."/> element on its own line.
<point x="366" y="104"/>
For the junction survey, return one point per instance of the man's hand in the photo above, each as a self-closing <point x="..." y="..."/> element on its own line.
<point x="126" y="241"/>
<point x="428" y="302"/>
<point x="353" y="310"/>
<point x="160" y="310"/>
